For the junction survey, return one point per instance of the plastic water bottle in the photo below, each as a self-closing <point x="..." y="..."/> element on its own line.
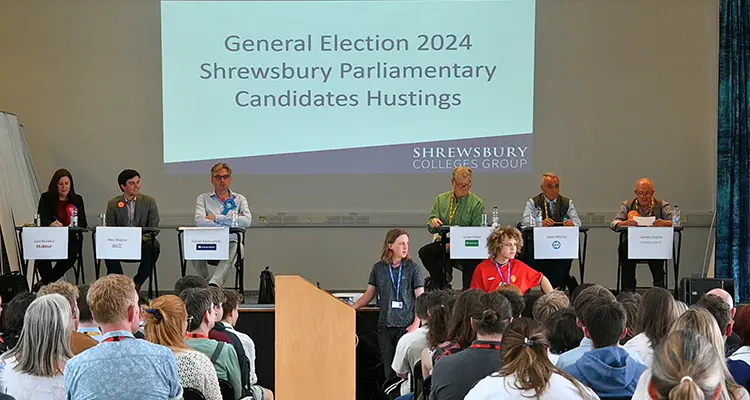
<point x="538" y="216"/>
<point x="74" y="217"/>
<point x="235" y="222"/>
<point x="676" y="221"/>
<point x="495" y="217"/>
<point x="102" y="219"/>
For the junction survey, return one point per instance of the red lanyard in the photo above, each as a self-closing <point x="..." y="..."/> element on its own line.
<point x="116" y="338"/>
<point x="492" y="346"/>
<point x="197" y="336"/>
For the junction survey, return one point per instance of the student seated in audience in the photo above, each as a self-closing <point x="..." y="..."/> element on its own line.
<point x="563" y="332"/>
<point x="454" y="376"/>
<point x="548" y="304"/>
<point x="121" y="367"/>
<point x="724" y="315"/>
<point x="527" y="371"/>
<point x="86" y="323"/>
<point x="166" y="325"/>
<point x="217" y="331"/>
<point x="607" y="368"/>
<point x="681" y="307"/>
<point x="410" y="346"/>
<point x="438" y="319"/>
<point x="231" y="309"/>
<point x="13" y="318"/>
<point x="189" y="282"/>
<point x="695" y="319"/>
<point x="657" y="314"/>
<point x="739" y="361"/>
<point x="514" y="296"/>
<point x="200" y="309"/>
<point x="631" y="301"/>
<point x="595" y="294"/>
<point x="79" y="342"/>
<point x="397" y="282"/>
<point x="34" y="368"/>
<point x="460" y="333"/>
<point x="687" y="366"/>
<point x="502" y="268"/>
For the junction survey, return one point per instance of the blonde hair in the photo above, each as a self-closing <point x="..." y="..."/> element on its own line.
<point x="166" y="322"/>
<point x="219" y="166"/>
<point x="44" y="345"/>
<point x="65" y="289"/>
<point x="499" y="235"/>
<point x="548" y="304"/>
<point x="462" y="172"/>
<point x="110" y="298"/>
<point x="390" y="238"/>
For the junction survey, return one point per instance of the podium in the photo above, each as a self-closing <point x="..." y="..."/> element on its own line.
<point x="315" y="343"/>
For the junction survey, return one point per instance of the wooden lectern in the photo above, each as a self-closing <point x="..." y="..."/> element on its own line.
<point x="315" y="343"/>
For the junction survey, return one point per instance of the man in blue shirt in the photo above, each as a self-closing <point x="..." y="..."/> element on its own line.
<point x="121" y="367"/>
<point x="215" y="209"/>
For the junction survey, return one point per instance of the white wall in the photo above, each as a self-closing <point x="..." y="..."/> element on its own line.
<point x="624" y="89"/>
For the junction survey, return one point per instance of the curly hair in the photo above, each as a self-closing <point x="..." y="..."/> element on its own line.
<point x="499" y="235"/>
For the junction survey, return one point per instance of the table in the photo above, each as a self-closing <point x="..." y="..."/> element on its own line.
<point x="153" y="280"/>
<point x="676" y="250"/>
<point x="582" y="246"/>
<point x="239" y="264"/>
<point x="77" y="266"/>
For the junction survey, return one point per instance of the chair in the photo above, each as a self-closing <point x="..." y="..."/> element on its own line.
<point x="227" y="391"/>
<point x="192" y="394"/>
<point x="417" y="380"/>
<point x="392" y="387"/>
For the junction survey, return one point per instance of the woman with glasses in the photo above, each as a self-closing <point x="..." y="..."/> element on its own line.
<point x="166" y="324"/>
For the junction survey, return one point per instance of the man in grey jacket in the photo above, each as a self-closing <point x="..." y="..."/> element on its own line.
<point x="132" y="208"/>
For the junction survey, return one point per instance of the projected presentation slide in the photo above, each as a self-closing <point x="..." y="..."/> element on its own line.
<point x="320" y="87"/>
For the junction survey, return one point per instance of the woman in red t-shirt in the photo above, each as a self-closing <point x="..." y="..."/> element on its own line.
<point x="503" y="269"/>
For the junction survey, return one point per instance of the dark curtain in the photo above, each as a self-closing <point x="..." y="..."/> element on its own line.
<point x="733" y="169"/>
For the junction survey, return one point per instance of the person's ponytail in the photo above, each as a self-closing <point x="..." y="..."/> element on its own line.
<point x="687" y="389"/>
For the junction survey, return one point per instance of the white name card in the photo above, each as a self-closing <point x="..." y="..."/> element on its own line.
<point x="118" y="242"/>
<point x="650" y="243"/>
<point x="206" y="243"/>
<point x="45" y="243"/>
<point x="556" y="242"/>
<point x="469" y="242"/>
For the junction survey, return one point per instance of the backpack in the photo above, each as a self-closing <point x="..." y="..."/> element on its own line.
<point x="267" y="291"/>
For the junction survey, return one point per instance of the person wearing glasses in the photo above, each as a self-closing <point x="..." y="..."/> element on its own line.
<point x="216" y="209"/>
<point x="643" y="205"/>
<point x="458" y="207"/>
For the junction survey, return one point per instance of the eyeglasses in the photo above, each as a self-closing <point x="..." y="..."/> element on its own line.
<point x="463" y="185"/>
<point x="644" y="194"/>
<point x="189" y="319"/>
<point x="222" y="177"/>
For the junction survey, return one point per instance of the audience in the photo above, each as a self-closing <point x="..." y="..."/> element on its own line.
<point x="657" y="314"/>
<point x="607" y="368"/>
<point x="86" y="323"/>
<point x="548" y="304"/>
<point x="189" y="282"/>
<point x="438" y="320"/>
<point x="202" y="316"/>
<point x="460" y="332"/>
<point x="687" y="366"/>
<point x="527" y="371"/>
<point x="454" y="376"/>
<point x="410" y="346"/>
<point x="723" y="317"/>
<point x="219" y="332"/>
<point x="631" y="301"/>
<point x="563" y="332"/>
<point x="166" y="325"/>
<point x="681" y="307"/>
<point x="231" y="315"/>
<point x="739" y="361"/>
<point x="13" y="318"/>
<point x="514" y="296"/>
<point x="587" y="298"/>
<point x="34" y="368"/>
<point x="578" y="290"/>
<point x="121" y="367"/>
<point x="78" y="341"/>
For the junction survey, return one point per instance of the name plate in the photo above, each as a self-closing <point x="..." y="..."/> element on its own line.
<point x="469" y="242"/>
<point x="556" y="243"/>
<point x="206" y="243"/>
<point x="45" y="243"/>
<point x="118" y="242"/>
<point x="650" y="243"/>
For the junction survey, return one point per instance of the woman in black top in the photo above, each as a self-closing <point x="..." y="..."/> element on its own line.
<point x="55" y="209"/>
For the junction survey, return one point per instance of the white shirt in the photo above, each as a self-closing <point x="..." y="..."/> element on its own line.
<point x="641" y="344"/>
<point x="408" y="352"/>
<point x="197" y="372"/>
<point x="554" y="357"/>
<point x="249" y="346"/>
<point x="641" y="391"/>
<point x="29" y="387"/>
<point x="496" y="387"/>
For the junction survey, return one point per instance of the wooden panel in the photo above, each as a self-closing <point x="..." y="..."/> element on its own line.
<point x="315" y="343"/>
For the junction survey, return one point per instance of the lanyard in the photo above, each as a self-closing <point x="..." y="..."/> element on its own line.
<point x="493" y="346"/>
<point x="500" y="271"/>
<point x="452" y="209"/>
<point x="197" y="336"/>
<point x="116" y="338"/>
<point x="396" y="285"/>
